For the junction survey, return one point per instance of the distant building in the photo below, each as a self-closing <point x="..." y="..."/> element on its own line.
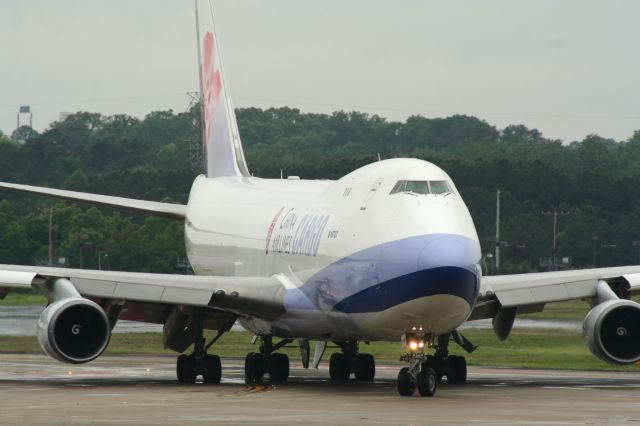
<point x="24" y="113"/>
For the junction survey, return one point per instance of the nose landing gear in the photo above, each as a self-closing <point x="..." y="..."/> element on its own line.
<point x="419" y="373"/>
<point x="426" y="371"/>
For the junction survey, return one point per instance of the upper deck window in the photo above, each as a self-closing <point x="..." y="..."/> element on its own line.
<point x="421" y="187"/>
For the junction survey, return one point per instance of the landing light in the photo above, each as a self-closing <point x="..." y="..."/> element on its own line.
<point x="416" y="344"/>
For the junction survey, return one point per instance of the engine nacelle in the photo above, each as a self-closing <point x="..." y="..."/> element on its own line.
<point x="612" y="331"/>
<point x="73" y="330"/>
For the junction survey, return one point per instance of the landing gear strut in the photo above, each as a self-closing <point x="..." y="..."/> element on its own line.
<point x="341" y="365"/>
<point x="199" y="363"/>
<point x="256" y="364"/>
<point x="454" y="367"/>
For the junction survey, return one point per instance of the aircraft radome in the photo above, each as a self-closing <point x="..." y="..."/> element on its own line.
<point x="388" y="252"/>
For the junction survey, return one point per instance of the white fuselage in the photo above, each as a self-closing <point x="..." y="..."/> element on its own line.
<point x="360" y="263"/>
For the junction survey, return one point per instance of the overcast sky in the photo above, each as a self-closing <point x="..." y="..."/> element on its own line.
<point x="568" y="68"/>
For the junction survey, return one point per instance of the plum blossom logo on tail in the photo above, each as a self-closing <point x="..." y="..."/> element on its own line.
<point x="211" y="84"/>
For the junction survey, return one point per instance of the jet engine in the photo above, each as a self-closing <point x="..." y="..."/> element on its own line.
<point x="73" y="330"/>
<point x="612" y="331"/>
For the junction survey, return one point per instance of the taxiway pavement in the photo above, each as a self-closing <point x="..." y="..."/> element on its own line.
<point x="114" y="390"/>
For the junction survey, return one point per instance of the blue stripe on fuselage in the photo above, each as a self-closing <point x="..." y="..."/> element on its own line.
<point x="395" y="272"/>
<point x="428" y="282"/>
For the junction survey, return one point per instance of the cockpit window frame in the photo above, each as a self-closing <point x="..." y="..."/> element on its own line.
<point x="432" y="186"/>
<point x="399" y="187"/>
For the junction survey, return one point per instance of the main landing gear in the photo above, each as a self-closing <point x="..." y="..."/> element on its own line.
<point x="341" y="365"/>
<point x="426" y="371"/>
<point x="199" y="363"/>
<point x="256" y="364"/>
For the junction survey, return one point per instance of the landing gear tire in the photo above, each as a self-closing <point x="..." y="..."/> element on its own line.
<point x="427" y="382"/>
<point x="186" y="369"/>
<point x="254" y="367"/>
<point x="247" y="364"/>
<point x="339" y="367"/>
<point x="456" y="369"/>
<point x="365" y="368"/>
<point x="199" y="363"/>
<point x="436" y="364"/>
<point x="406" y="384"/>
<point x="212" y="369"/>
<point x="279" y="368"/>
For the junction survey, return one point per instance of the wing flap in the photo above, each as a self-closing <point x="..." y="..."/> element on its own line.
<point x="546" y="293"/>
<point x="152" y="208"/>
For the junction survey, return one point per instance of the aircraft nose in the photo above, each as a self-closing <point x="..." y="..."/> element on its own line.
<point x="451" y="261"/>
<point x="449" y="251"/>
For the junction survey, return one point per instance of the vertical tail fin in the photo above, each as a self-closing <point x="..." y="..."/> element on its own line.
<point x="222" y="148"/>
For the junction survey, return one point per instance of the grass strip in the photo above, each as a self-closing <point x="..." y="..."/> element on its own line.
<point x="524" y="349"/>
<point x="23" y="299"/>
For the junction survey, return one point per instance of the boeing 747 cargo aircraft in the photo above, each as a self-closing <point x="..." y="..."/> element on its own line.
<point x="388" y="252"/>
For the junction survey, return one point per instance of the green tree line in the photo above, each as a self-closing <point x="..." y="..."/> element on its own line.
<point x="594" y="183"/>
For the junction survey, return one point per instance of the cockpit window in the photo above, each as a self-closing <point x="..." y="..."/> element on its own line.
<point x="439" y="187"/>
<point x="399" y="187"/>
<point x="417" y="186"/>
<point x="421" y="187"/>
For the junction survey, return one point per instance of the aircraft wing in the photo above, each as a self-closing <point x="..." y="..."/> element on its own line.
<point x="153" y="208"/>
<point x="256" y="296"/>
<point x="526" y="293"/>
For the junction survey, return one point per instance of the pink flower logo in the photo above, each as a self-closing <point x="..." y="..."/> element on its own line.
<point x="211" y="83"/>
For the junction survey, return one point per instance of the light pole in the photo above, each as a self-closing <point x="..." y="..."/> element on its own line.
<point x="497" y="232"/>
<point x="488" y="260"/>
<point x="100" y="256"/>
<point x="608" y="252"/>
<point x="51" y="236"/>
<point x="82" y="242"/>
<point x="50" y="211"/>
<point x="99" y="250"/>
<point x="554" y="240"/>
